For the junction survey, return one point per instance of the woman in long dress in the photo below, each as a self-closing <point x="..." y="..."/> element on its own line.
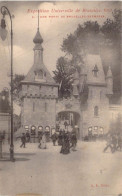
<point x="43" y="142"/>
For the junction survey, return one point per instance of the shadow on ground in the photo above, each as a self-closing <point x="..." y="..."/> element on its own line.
<point x="18" y="156"/>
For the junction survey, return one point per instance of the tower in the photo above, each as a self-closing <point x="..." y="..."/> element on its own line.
<point x="109" y="81"/>
<point x="95" y="116"/>
<point x="39" y="93"/>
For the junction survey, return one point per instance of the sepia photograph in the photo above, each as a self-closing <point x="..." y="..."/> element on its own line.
<point x="60" y="98"/>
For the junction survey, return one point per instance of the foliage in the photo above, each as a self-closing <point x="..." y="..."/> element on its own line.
<point x="63" y="76"/>
<point x="92" y="38"/>
<point x="17" y="87"/>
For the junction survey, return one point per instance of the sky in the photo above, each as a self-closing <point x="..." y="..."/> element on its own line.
<point x="53" y="30"/>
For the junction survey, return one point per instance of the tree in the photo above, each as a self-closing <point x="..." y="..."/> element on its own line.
<point x="92" y="38"/>
<point x="17" y="87"/>
<point x="63" y="76"/>
<point x="112" y="32"/>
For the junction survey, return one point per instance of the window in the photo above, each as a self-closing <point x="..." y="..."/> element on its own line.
<point x="101" y="130"/>
<point x="26" y="127"/>
<point x="95" y="132"/>
<point x="47" y="128"/>
<point x="33" y="130"/>
<point x="96" y="111"/>
<point x="90" y="131"/>
<point x="40" y="128"/>
<point x="95" y="71"/>
<point x="40" y="74"/>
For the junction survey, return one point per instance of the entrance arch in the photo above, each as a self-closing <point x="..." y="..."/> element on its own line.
<point x="69" y="121"/>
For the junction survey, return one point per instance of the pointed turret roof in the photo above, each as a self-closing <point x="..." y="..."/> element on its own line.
<point x="30" y="77"/>
<point x="109" y="73"/>
<point x="38" y="38"/>
<point x="38" y="65"/>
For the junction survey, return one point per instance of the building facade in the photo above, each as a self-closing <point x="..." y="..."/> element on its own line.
<point x="39" y="93"/>
<point x="87" y="109"/>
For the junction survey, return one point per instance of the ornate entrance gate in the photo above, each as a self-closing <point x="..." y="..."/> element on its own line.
<point x="68" y="115"/>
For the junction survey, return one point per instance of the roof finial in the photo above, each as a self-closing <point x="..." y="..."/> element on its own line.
<point x="38" y="20"/>
<point x="38" y="39"/>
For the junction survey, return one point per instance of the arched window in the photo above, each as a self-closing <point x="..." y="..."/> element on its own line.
<point x="96" y="111"/>
<point x="33" y="130"/>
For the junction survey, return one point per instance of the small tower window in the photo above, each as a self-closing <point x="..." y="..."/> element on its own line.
<point x="40" y="74"/>
<point x="95" y="71"/>
<point x="96" y="112"/>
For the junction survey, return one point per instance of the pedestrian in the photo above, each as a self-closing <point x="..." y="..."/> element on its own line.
<point x="43" y="141"/>
<point x="119" y="143"/>
<point x="65" y="149"/>
<point x="114" y="143"/>
<point x="40" y="138"/>
<point x="54" y="138"/>
<point x="65" y="124"/>
<point x="27" y="136"/>
<point x="109" y="143"/>
<point x="60" y="138"/>
<point x="23" y="140"/>
<point x="73" y="141"/>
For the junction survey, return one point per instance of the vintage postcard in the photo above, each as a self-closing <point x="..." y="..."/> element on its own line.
<point x="60" y="98"/>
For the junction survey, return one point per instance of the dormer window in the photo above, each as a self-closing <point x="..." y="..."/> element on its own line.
<point x="40" y="75"/>
<point x="95" y="71"/>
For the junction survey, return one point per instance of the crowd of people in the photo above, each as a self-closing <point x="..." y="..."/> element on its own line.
<point x="114" y="142"/>
<point x="67" y="140"/>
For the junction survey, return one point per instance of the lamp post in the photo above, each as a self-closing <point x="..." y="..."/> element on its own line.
<point x="3" y="33"/>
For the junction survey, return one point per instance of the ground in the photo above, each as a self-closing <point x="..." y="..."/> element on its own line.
<point x="85" y="172"/>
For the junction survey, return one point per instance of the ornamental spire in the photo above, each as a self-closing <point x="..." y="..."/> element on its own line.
<point x="38" y="20"/>
<point x="38" y="38"/>
<point x="109" y="72"/>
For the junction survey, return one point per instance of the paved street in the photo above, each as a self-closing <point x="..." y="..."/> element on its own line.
<point x="85" y="172"/>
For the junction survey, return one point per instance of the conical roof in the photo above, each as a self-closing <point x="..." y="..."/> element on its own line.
<point x="39" y="65"/>
<point x="38" y="38"/>
<point x="109" y="73"/>
<point x="30" y="77"/>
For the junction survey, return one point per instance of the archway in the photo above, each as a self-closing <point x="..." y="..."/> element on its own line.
<point x="68" y="121"/>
